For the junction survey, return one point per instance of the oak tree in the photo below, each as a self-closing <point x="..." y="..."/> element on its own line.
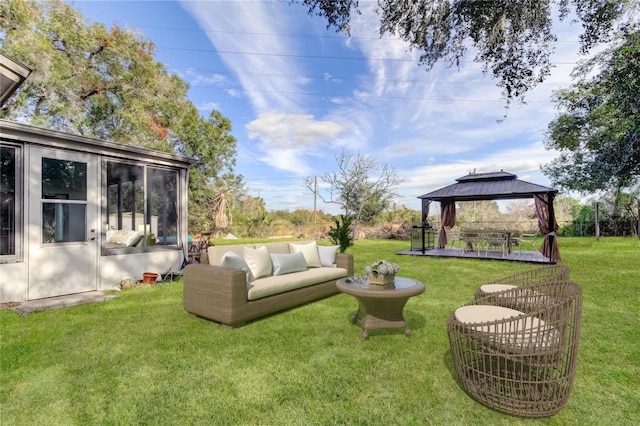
<point x="106" y="83"/>
<point x="513" y="40"/>
<point x="597" y="131"/>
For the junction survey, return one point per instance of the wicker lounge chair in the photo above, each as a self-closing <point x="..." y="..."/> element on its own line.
<point x="528" y="277"/>
<point x="520" y="362"/>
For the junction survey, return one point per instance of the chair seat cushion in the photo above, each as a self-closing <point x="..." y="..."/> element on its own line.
<point x="494" y="288"/>
<point x="524" y="333"/>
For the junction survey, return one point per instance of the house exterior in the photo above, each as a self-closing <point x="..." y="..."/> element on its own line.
<point x="78" y="214"/>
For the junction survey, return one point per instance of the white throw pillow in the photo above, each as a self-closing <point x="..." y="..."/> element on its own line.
<point x="124" y="237"/>
<point x="131" y="238"/>
<point x="328" y="255"/>
<point x="117" y="236"/>
<point x="259" y="261"/>
<point x="288" y="263"/>
<point x="310" y="252"/>
<point x="235" y="261"/>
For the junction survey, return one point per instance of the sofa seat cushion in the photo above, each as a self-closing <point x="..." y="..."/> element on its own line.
<point x="268" y="286"/>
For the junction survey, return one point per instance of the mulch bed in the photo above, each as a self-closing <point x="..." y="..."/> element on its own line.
<point x="9" y="305"/>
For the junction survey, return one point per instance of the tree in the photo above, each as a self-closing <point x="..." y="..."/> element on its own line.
<point x="361" y="186"/>
<point x="598" y="129"/>
<point x="87" y="79"/>
<point x="106" y="84"/>
<point x="512" y="39"/>
<point x="211" y="144"/>
<point x="479" y="213"/>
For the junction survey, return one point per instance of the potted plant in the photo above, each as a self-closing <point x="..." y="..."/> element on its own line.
<point x="381" y="272"/>
<point x="149" y="278"/>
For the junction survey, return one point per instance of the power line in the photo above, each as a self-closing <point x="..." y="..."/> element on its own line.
<point x="227" y="73"/>
<point x="377" y="97"/>
<point x="291" y="55"/>
<point x="320" y="37"/>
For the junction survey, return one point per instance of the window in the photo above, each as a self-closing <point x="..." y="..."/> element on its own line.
<point x="163" y="190"/>
<point x="10" y="202"/>
<point x="125" y="196"/>
<point x="143" y="200"/>
<point x="64" y="186"/>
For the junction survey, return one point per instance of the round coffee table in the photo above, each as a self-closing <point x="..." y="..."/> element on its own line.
<point x="380" y="307"/>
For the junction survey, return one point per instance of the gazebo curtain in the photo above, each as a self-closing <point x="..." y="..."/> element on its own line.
<point x="542" y="208"/>
<point x="425" y="211"/>
<point x="448" y="217"/>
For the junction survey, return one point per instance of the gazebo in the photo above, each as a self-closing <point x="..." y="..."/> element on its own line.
<point x="495" y="186"/>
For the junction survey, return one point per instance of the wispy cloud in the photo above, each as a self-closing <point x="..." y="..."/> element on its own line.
<point x="249" y="37"/>
<point x="431" y="125"/>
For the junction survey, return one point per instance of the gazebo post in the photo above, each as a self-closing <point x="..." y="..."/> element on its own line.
<point x="552" y="229"/>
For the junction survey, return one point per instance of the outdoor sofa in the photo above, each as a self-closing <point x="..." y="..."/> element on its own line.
<point x="234" y="284"/>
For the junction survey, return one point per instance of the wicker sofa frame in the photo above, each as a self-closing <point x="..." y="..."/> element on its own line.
<point x="526" y="371"/>
<point x="220" y="294"/>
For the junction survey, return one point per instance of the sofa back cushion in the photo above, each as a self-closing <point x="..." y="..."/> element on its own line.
<point x="277" y="247"/>
<point x="215" y="253"/>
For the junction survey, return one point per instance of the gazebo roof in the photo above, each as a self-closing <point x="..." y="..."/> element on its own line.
<point x="487" y="186"/>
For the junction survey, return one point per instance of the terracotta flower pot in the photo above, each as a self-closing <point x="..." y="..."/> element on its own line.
<point x="149" y="277"/>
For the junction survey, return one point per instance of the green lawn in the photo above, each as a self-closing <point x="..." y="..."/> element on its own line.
<point x="141" y="359"/>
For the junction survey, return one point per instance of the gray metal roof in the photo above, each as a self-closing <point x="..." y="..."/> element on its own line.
<point x="487" y="186"/>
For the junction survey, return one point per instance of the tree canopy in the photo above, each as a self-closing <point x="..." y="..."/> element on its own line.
<point x="512" y="39"/>
<point x="106" y="83"/>
<point x="598" y="128"/>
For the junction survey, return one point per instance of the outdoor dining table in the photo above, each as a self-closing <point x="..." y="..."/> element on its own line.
<point x="485" y="237"/>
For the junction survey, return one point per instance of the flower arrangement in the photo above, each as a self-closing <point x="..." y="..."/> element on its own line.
<point x="382" y="267"/>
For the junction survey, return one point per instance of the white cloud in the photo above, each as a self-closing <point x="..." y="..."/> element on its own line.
<point x="286" y="138"/>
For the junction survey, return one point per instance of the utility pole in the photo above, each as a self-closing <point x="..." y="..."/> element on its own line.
<point x="315" y="198"/>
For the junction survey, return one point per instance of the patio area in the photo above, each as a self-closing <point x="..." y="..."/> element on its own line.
<point x="515" y="256"/>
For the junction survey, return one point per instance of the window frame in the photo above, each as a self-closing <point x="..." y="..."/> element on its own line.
<point x="146" y="244"/>
<point x="18" y="205"/>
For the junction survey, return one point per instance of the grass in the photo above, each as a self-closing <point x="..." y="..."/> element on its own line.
<point x="141" y="359"/>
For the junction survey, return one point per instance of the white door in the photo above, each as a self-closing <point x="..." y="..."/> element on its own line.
<point x="62" y="227"/>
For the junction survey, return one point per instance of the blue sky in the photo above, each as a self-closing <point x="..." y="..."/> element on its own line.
<point x="297" y="94"/>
